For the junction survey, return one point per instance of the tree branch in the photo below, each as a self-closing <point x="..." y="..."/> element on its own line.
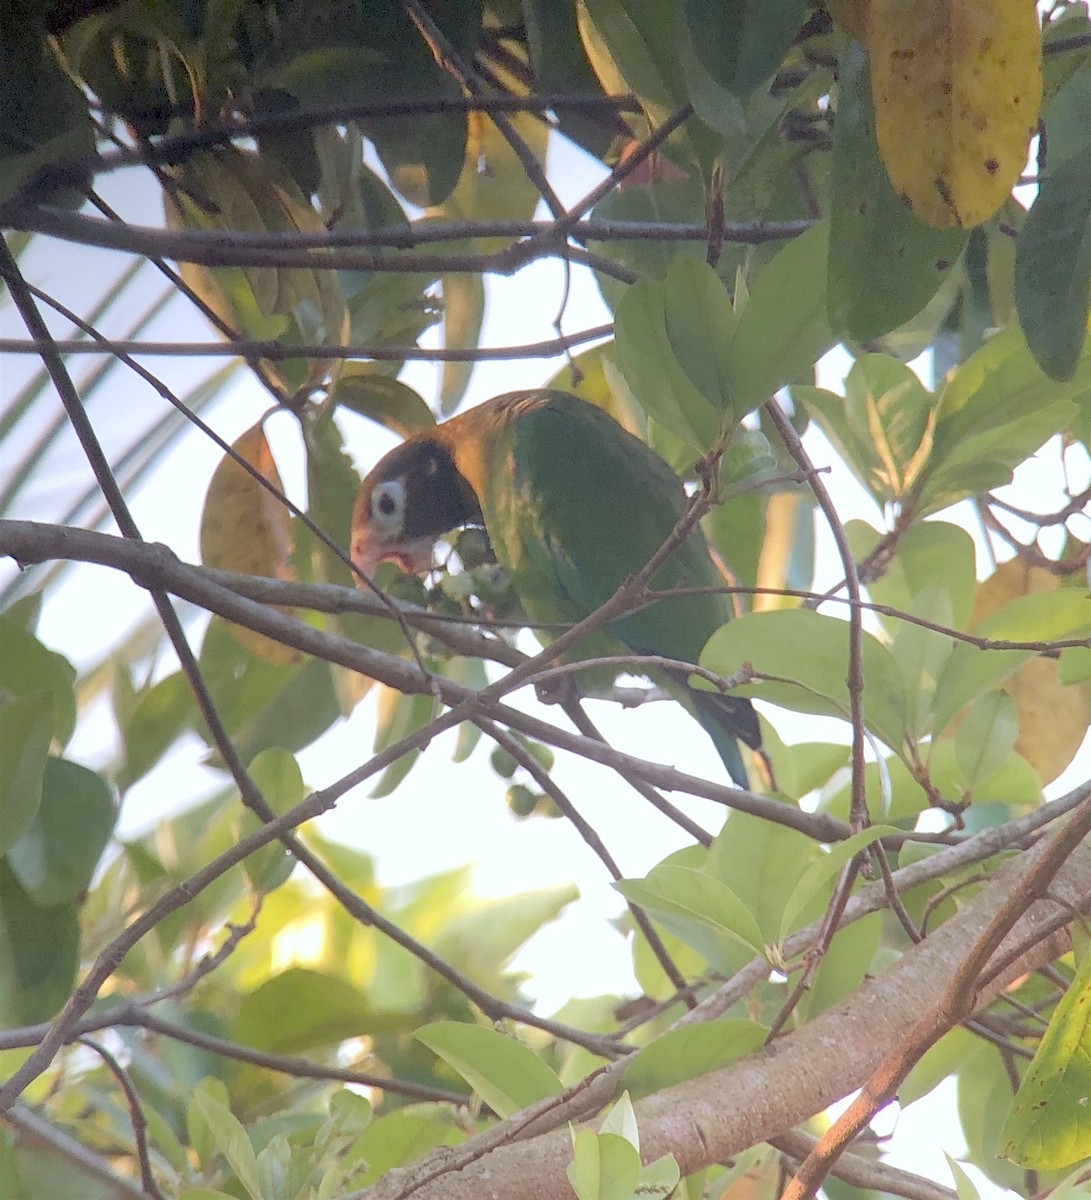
<point x="156" y="566"/>
<point x="767" y="1093"/>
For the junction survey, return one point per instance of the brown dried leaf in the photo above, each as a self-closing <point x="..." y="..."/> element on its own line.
<point x="1053" y="719"/>
<point x="244" y="528"/>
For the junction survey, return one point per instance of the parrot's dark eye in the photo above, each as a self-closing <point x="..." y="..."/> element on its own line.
<point x="388" y="505"/>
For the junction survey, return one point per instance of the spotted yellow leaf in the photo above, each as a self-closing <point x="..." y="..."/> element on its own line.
<point x="956" y="88"/>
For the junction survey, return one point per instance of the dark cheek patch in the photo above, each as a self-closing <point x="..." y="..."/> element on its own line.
<point x="438" y="499"/>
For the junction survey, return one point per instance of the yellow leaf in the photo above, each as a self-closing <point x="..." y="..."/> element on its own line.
<point x="777" y="547"/>
<point x="956" y="88"/>
<point x="1053" y="719"/>
<point x="244" y="528"/>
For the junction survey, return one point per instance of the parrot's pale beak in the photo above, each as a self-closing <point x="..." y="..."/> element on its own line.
<point x="414" y="557"/>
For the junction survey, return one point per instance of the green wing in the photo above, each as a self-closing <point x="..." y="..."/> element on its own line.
<point x="578" y="505"/>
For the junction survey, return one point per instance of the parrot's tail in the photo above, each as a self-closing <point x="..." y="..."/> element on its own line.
<point x="726" y="718"/>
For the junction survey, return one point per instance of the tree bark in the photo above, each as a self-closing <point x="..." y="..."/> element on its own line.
<point x="707" y="1119"/>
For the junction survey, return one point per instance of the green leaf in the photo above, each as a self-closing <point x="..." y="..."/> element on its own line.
<point x="772" y="642"/>
<point x="719" y="108"/>
<point x="604" y="1166"/>
<point x="560" y="65"/>
<point x="387" y="401"/>
<point x="232" y="1139"/>
<point x="630" y="45"/>
<point x="819" y="873"/>
<point x="274" y="1164"/>
<point x="158" y="716"/>
<point x="482" y="940"/>
<point x="806" y="766"/>
<point x="507" y="1075"/>
<point x="700" y="323"/>
<point x="984" y="1102"/>
<point x="940" y="1060"/>
<point x="971" y="672"/>
<point x="884" y="264"/>
<point x="265" y="704"/>
<point x="402" y="1137"/>
<point x="691" y="1050"/>
<point x="929" y="554"/>
<point x="43" y="112"/>
<point x="351" y="1112"/>
<point x="27" y="666"/>
<point x="704" y="912"/>
<point x="1074" y="1185"/>
<point x="56" y="857"/>
<point x="922" y="655"/>
<point x="964" y="1185"/>
<point x="229" y="189"/>
<point x="337" y="56"/>
<point x="39" y="954"/>
<point x="399" y="715"/>
<point x="25" y="732"/>
<point x="852" y="954"/>
<point x="621" y="1119"/>
<point x="882" y="428"/>
<point x="463" y="316"/>
<point x="782" y="329"/>
<point x="741" y="42"/>
<point x="164" y="1139"/>
<point x="671" y="340"/>
<point x="300" y="1009"/>
<point x="672" y="202"/>
<point x="276" y="774"/>
<point x="1049" y="1126"/>
<point x="986" y="737"/>
<point x="659" y="1178"/>
<point x="1053" y="267"/>
<point x="993" y="411"/>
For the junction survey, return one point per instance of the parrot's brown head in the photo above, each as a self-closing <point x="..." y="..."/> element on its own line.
<point x="411" y="497"/>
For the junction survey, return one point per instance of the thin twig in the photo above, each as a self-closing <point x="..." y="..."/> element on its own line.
<point x="132" y="1015"/>
<point x="576" y="713"/>
<point x="276" y="351"/>
<point x="854" y="681"/>
<point x="136" y="1115"/>
<point x="449" y="58"/>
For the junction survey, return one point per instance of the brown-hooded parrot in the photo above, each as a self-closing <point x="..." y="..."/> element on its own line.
<point x="573" y="505"/>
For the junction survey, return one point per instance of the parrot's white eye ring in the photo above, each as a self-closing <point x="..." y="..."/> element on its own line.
<point x="388" y="505"/>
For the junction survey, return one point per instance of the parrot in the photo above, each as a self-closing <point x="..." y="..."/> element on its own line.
<point x="572" y="505"/>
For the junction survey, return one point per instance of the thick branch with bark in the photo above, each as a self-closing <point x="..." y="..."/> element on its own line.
<point x="705" y="1120"/>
